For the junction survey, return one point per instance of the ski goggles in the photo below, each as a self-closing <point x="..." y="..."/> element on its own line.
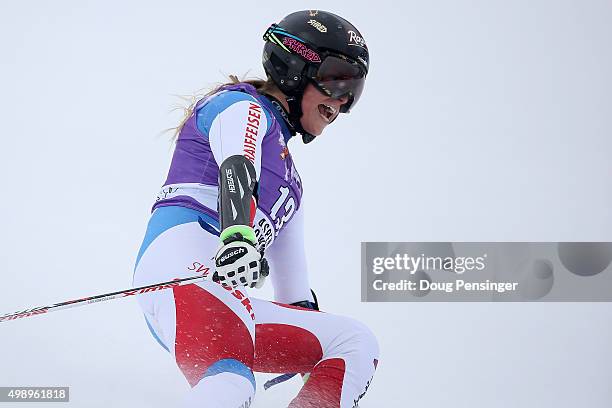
<point x="338" y="77"/>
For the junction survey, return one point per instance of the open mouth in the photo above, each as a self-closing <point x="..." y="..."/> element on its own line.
<point x="327" y="112"/>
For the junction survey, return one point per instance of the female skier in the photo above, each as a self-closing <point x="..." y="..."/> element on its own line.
<point x="232" y="196"/>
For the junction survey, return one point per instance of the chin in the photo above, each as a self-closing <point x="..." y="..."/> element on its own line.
<point x="315" y="131"/>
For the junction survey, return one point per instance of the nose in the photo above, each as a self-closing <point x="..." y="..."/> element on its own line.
<point x="342" y="99"/>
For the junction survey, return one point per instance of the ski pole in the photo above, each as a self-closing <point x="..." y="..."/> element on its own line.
<point x="102" y="298"/>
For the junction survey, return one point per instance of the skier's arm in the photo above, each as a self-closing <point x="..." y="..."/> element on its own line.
<point x="235" y="125"/>
<point x="287" y="257"/>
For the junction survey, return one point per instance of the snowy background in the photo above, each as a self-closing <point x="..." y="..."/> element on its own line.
<point x="481" y="120"/>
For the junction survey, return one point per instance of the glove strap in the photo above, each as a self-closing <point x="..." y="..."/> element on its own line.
<point x="244" y="230"/>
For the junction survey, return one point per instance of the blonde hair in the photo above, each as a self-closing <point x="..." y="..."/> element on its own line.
<point x="261" y="85"/>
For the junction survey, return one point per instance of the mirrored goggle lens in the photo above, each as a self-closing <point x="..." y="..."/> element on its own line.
<point x="338" y="77"/>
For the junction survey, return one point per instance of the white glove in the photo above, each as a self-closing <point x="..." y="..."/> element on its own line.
<point x="238" y="263"/>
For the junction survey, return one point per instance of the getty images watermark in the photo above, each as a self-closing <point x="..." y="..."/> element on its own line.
<point x="412" y="264"/>
<point x="470" y="271"/>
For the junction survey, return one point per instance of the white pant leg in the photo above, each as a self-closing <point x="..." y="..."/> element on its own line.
<point x="206" y="327"/>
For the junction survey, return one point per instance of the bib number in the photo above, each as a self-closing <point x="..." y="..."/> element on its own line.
<point x="286" y="202"/>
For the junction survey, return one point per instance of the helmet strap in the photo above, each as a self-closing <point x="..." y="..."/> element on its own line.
<point x="283" y="112"/>
<point x="295" y="116"/>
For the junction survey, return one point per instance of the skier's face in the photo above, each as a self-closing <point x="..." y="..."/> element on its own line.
<point x="319" y="110"/>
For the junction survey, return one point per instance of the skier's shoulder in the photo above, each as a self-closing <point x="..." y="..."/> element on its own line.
<point x="231" y="105"/>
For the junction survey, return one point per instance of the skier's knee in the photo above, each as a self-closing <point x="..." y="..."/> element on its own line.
<point x="230" y="365"/>
<point x="358" y="339"/>
<point x="367" y="340"/>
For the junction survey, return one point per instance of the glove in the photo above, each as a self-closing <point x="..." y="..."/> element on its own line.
<point x="238" y="263"/>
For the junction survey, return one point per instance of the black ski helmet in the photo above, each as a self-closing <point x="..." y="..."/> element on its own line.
<point x="317" y="47"/>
